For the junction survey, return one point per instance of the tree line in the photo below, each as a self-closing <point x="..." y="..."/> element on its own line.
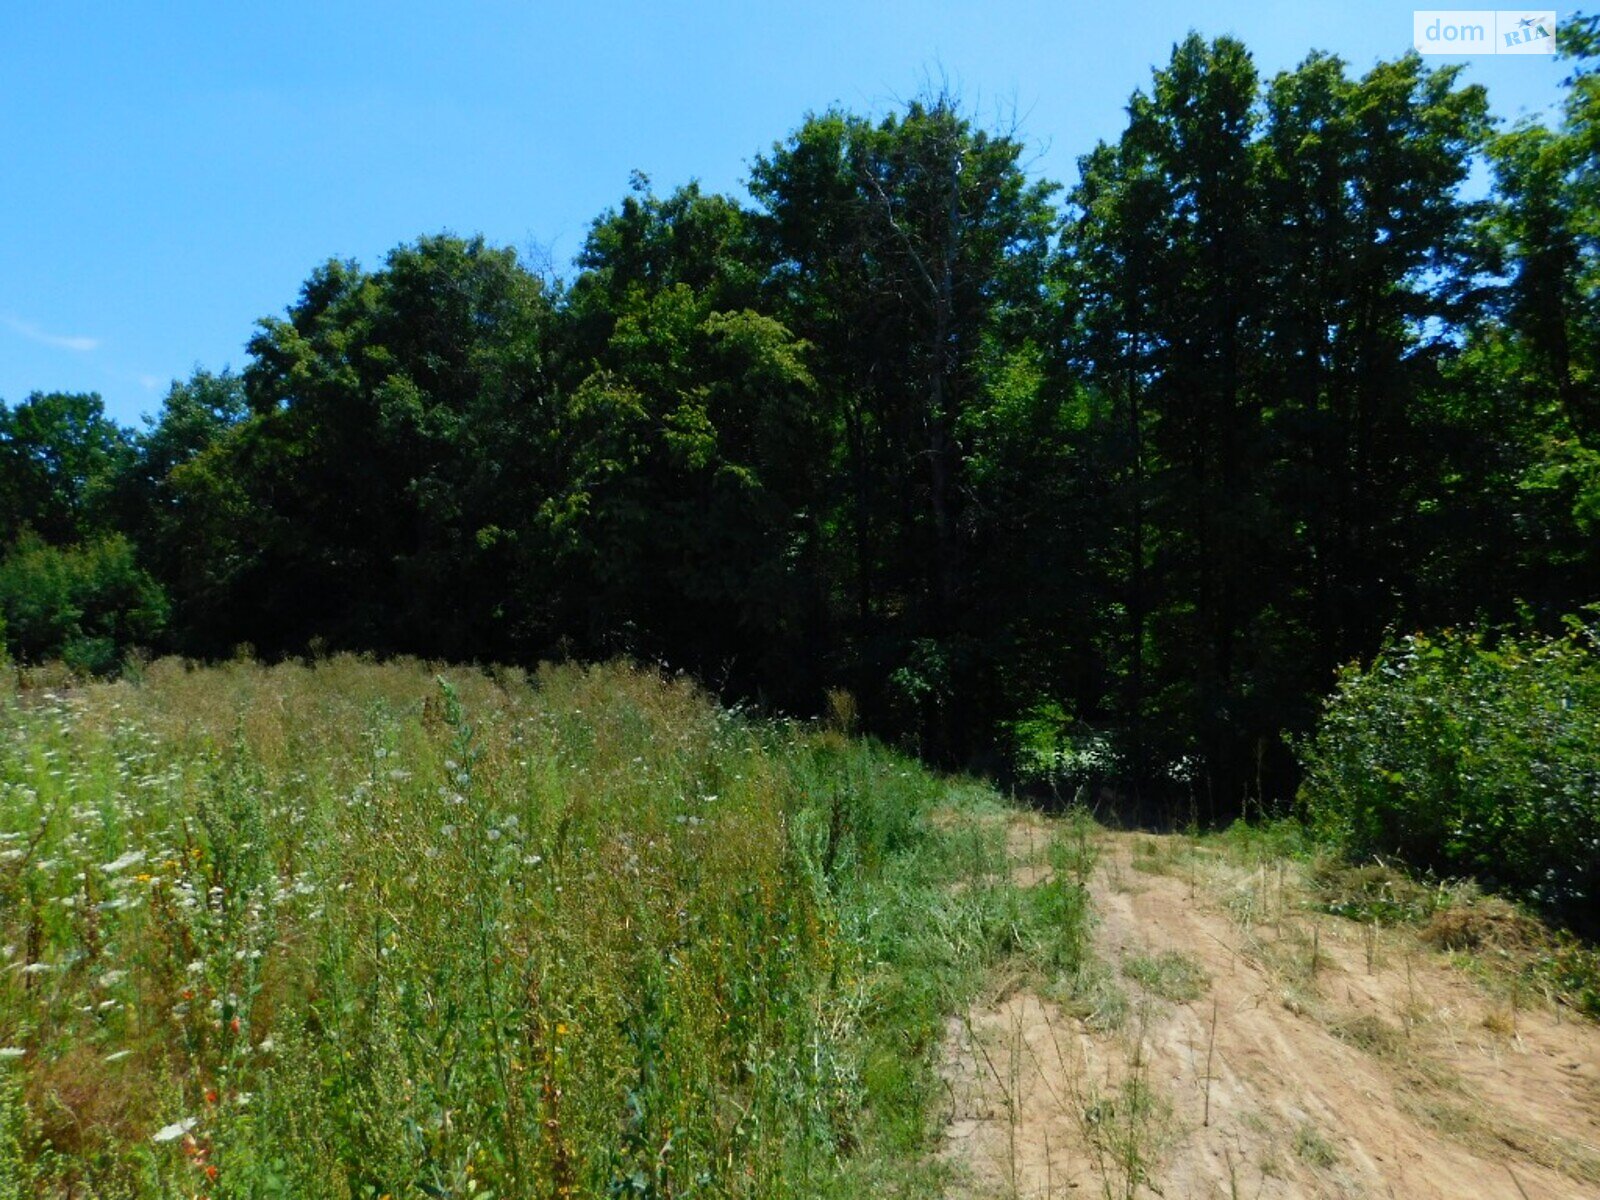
<point x="1137" y="464"/>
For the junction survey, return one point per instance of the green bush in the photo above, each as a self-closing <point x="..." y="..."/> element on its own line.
<point x="1466" y="755"/>
<point x="85" y="604"/>
<point x="1049" y="745"/>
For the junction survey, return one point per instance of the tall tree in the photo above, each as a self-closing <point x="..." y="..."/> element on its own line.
<point x="1531" y="366"/>
<point x="686" y="524"/>
<point x="1263" y="281"/>
<point x="912" y="253"/>
<point x="58" y="455"/>
<point x="1113" y="292"/>
<point x="1373" y="261"/>
<point x="1176" y="206"/>
<point x="378" y="481"/>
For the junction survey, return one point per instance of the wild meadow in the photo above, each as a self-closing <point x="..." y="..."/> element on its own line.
<point x="1255" y="474"/>
<point x="359" y="930"/>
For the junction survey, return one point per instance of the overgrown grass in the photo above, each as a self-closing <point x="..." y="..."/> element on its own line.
<point x="349" y="930"/>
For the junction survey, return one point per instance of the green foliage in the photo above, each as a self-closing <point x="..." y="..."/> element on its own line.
<point x="1169" y="974"/>
<point x="1572" y="968"/>
<point x="911" y="252"/>
<point x="1255" y="267"/>
<point x="195" y="415"/>
<point x="58" y="457"/>
<point x="684" y="517"/>
<point x="87" y="604"/>
<point x="1375" y="893"/>
<point x="1112" y="489"/>
<point x="399" y="434"/>
<point x="1050" y="747"/>
<point x="353" y="930"/>
<point x="16" y="1171"/>
<point x="1464" y="755"/>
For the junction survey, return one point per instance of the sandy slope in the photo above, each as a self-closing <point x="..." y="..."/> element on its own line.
<point x="1281" y="1077"/>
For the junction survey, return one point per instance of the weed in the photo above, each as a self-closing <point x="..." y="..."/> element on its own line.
<point x="351" y="930"/>
<point x="1169" y="974"/>
<point x="1372" y="1034"/>
<point x="1312" y="1148"/>
<point x="1093" y="995"/>
<point x="1375" y="893"/>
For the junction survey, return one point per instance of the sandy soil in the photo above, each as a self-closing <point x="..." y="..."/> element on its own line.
<point x="1314" y="1057"/>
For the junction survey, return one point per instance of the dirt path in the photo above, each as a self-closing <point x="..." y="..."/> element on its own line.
<point x="1238" y="1044"/>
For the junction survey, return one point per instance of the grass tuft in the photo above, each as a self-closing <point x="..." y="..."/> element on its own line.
<point x="1169" y="974"/>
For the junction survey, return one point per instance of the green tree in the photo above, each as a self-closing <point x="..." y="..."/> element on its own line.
<point x="648" y="244"/>
<point x="383" y="467"/>
<point x="1372" y="264"/>
<point x="1525" y="385"/>
<point x="1263" y="283"/>
<point x="1164" y="254"/>
<point x="687" y="525"/>
<point x="1112" y="295"/>
<point x="912" y="253"/>
<point x="195" y="415"/>
<point x="58" y="455"/>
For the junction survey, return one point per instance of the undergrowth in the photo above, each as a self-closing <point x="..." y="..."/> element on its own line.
<point x="1466" y="755"/>
<point x="351" y="930"/>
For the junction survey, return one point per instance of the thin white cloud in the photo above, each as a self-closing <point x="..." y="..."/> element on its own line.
<point x="73" y="342"/>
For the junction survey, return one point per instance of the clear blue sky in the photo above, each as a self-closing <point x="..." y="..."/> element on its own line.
<point x="172" y="171"/>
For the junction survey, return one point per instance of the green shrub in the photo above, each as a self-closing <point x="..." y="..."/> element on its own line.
<point x="86" y="604"/>
<point x="1050" y="746"/>
<point x="1466" y="755"/>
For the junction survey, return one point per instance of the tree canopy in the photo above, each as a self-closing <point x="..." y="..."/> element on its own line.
<point x="1136" y="465"/>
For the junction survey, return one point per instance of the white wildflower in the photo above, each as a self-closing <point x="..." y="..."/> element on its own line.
<point x="123" y="861"/>
<point x="171" y="1133"/>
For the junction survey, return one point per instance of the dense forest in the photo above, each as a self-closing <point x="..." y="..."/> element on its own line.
<point x="1123" y="473"/>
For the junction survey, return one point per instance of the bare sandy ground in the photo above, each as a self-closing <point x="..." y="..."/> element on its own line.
<point x="1308" y="1056"/>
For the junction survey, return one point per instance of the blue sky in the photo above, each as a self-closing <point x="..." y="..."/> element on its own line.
<point x="172" y="171"/>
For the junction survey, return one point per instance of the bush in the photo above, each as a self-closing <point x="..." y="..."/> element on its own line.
<point x="1050" y="746"/>
<point x="1466" y="755"/>
<point x="86" y="604"/>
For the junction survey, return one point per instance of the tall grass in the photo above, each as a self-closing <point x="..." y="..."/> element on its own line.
<point x="352" y="930"/>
